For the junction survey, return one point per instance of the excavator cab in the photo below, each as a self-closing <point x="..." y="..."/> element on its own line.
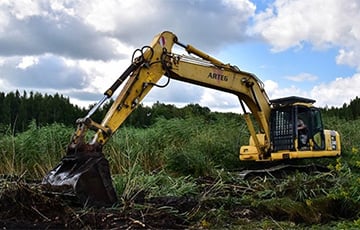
<point x="296" y="125"/>
<point x="296" y="131"/>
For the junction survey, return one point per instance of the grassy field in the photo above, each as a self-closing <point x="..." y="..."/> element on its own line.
<point x="194" y="162"/>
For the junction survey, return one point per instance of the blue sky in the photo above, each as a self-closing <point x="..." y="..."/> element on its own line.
<point x="77" y="48"/>
<point x="257" y="57"/>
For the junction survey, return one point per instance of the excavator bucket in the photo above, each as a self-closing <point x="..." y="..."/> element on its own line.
<point x="86" y="172"/>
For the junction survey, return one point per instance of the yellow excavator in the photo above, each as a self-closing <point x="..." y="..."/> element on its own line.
<point x="281" y="129"/>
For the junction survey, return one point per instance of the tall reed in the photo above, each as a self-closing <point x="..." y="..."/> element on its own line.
<point x="33" y="152"/>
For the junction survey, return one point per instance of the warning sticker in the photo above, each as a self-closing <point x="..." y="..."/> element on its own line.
<point x="162" y="41"/>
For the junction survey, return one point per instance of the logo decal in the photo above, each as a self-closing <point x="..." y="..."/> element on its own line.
<point x="218" y="76"/>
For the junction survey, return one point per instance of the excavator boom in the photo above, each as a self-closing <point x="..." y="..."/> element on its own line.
<point x="200" y="69"/>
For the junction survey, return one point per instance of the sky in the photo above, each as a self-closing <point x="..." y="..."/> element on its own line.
<point x="78" y="48"/>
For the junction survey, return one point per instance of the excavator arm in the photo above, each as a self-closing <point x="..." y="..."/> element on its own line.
<point x="86" y="170"/>
<point x="157" y="61"/>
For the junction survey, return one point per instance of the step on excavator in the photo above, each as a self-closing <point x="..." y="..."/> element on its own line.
<point x="281" y="129"/>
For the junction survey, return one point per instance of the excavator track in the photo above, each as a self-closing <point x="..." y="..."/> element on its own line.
<point x="281" y="170"/>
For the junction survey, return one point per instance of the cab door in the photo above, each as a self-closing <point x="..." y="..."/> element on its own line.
<point x="311" y="119"/>
<point x="317" y="129"/>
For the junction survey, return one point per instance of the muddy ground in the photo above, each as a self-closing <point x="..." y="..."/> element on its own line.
<point x="25" y="205"/>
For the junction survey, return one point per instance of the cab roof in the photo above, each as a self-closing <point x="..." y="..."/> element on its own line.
<point x="291" y="100"/>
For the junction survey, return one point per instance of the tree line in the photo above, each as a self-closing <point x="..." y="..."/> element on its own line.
<point x="349" y="111"/>
<point x="17" y="110"/>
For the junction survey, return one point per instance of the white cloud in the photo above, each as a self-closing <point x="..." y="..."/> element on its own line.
<point x="62" y="6"/>
<point x="337" y="92"/>
<point x="270" y="86"/>
<point x="175" y="92"/>
<point x="221" y="101"/>
<point x="102" y="74"/>
<point x="23" y="8"/>
<point x="274" y="91"/>
<point x="4" y="21"/>
<point x="302" y="77"/>
<point x="288" y="24"/>
<point x="334" y="93"/>
<point x="349" y="57"/>
<point x="27" y="61"/>
<point x="111" y="15"/>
